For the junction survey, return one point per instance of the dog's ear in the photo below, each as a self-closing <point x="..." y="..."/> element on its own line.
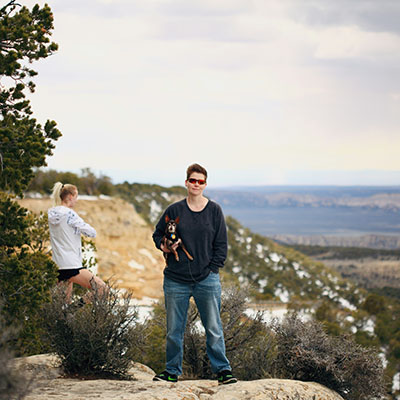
<point x="177" y="220"/>
<point x="166" y="219"/>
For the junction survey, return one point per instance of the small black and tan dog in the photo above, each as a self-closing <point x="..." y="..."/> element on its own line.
<point x="171" y="237"/>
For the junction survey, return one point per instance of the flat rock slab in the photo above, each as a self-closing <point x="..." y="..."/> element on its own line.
<point x="49" y="384"/>
<point x="265" y="389"/>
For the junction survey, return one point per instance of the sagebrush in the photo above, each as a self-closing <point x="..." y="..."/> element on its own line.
<point x="249" y="346"/>
<point x="289" y="348"/>
<point x="306" y="352"/>
<point x="100" y="338"/>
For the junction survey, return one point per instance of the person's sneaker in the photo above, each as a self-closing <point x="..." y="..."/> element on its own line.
<point x="226" y="377"/>
<point x="166" y="376"/>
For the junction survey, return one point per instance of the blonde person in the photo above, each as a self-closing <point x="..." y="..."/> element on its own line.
<point x="66" y="227"/>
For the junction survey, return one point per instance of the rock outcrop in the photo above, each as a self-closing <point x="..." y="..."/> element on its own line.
<point x="50" y="384"/>
<point x="125" y="249"/>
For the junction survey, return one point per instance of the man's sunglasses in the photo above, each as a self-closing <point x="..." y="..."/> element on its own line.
<point x="199" y="181"/>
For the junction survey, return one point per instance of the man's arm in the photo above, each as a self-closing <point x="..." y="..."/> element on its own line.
<point x="159" y="232"/>
<point x="220" y="244"/>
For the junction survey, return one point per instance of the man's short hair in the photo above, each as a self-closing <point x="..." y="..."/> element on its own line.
<point x="196" y="168"/>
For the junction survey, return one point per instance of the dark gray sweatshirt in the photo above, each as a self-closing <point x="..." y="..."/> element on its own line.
<point x="204" y="236"/>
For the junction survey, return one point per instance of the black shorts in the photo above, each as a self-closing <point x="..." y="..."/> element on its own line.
<point x="65" y="274"/>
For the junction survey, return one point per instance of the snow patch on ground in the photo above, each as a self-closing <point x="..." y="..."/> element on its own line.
<point x="263" y="283"/>
<point x="88" y="254"/>
<point x="369" y="326"/>
<point x="166" y="196"/>
<point x="88" y="197"/>
<point x="274" y="257"/>
<point x="268" y="315"/>
<point x="396" y="383"/>
<point x="135" y="265"/>
<point x="155" y="210"/>
<point x="260" y="250"/>
<point x="283" y="294"/>
<point x="346" y="304"/>
<point x="303" y="274"/>
<point x="147" y="254"/>
<point x="382" y="356"/>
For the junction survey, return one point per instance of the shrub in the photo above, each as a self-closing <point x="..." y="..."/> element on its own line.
<point x="97" y="339"/>
<point x="307" y="353"/>
<point x="26" y="274"/>
<point x="153" y="349"/>
<point x="249" y="346"/>
<point x="13" y="385"/>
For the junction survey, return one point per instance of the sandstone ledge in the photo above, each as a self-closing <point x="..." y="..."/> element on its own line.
<point x="49" y="384"/>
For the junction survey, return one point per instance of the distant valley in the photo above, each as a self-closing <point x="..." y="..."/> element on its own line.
<point x="354" y="230"/>
<point x="328" y="216"/>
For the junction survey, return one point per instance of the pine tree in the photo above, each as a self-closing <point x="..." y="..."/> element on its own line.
<point x="26" y="274"/>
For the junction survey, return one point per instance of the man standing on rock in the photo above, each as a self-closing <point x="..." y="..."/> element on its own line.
<point x="202" y="229"/>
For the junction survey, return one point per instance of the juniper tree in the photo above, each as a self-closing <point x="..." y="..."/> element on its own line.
<point x="25" y="275"/>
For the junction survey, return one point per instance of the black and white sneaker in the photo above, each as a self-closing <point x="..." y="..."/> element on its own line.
<point x="226" y="377"/>
<point x="166" y="376"/>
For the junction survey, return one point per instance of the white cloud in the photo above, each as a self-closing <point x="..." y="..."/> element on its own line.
<point x="254" y="89"/>
<point x="352" y="42"/>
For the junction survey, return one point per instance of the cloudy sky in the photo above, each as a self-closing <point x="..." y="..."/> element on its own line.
<point x="257" y="91"/>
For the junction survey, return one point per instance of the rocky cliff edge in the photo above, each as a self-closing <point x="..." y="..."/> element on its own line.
<point x="49" y="383"/>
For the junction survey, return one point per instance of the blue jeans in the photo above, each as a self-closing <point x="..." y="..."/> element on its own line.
<point x="207" y="295"/>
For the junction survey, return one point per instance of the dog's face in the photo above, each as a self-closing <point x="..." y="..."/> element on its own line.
<point x="171" y="224"/>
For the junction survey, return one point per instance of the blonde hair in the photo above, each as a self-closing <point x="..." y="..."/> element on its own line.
<point x="60" y="192"/>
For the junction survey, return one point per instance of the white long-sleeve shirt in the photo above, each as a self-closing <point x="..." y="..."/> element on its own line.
<point x="66" y="227"/>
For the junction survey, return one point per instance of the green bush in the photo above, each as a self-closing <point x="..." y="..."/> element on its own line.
<point x="100" y="338"/>
<point x="26" y="274"/>
<point x="306" y="352"/>
<point x="153" y="349"/>
<point x="249" y="346"/>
